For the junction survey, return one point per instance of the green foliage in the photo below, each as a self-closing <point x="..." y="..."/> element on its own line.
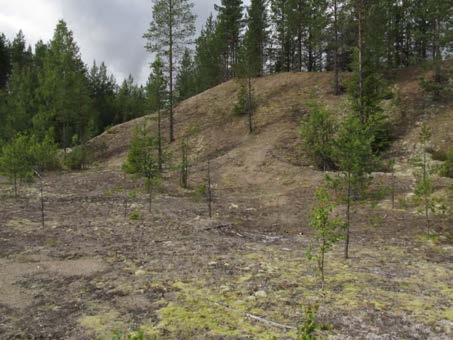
<point x="230" y="23"/>
<point x="200" y="192"/>
<point x="438" y="88"/>
<point x="317" y="133"/>
<point x="241" y="105"/>
<point x="184" y="165"/>
<point x="135" y="215"/>
<point x="142" y="157"/>
<point x="79" y="157"/>
<point x="63" y="90"/>
<point x="156" y="88"/>
<point x="22" y="156"/>
<point x="354" y="155"/>
<point x="309" y="326"/>
<point x="353" y="152"/>
<point x="103" y="92"/>
<point x="130" y="101"/>
<point x="16" y="161"/>
<point x="423" y="176"/>
<point x="326" y="231"/>
<point x="208" y="66"/>
<point x="45" y="153"/>
<point x="446" y="169"/>
<point x="185" y="80"/>
<point x="138" y="335"/>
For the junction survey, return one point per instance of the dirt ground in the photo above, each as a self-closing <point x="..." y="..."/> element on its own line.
<point x="177" y="274"/>
<point x="100" y="268"/>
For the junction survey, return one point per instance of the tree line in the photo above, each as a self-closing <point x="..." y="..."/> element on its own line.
<point x="315" y="35"/>
<point x="48" y="90"/>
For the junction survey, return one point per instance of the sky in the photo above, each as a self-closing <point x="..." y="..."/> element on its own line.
<point x="105" y="30"/>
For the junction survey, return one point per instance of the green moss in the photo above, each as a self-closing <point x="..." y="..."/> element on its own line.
<point x="199" y="312"/>
<point x="102" y="325"/>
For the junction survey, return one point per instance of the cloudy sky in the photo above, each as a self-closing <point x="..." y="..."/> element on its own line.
<point x="105" y="30"/>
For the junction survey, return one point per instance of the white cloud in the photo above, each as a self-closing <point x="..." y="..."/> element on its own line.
<point x="105" y="30"/>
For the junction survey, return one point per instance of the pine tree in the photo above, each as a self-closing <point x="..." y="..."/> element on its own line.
<point x="280" y="15"/>
<point x="20" y="101"/>
<point x="157" y="99"/>
<point x="316" y="20"/>
<point x="230" y="24"/>
<point x="5" y="61"/>
<point x="354" y="156"/>
<point x="16" y="162"/>
<point x="172" y="26"/>
<point x="142" y="159"/>
<point x="256" y="36"/>
<point x="130" y="101"/>
<point x="21" y="56"/>
<point x="317" y="133"/>
<point x="63" y="90"/>
<point x="185" y="80"/>
<point x="208" y="53"/>
<point x="102" y="92"/>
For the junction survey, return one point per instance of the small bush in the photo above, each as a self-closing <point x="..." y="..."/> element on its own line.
<point x="438" y="155"/>
<point x="135" y="215"/>
<point x="200" y="192"/>
<point x="242" y="104"/>
<point x="447" y="168"/>
<point x="79" y="157"/>
<point x="309" y="326"/>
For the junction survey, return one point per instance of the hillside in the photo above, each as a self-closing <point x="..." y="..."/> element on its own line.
<point x="176" y="274"/>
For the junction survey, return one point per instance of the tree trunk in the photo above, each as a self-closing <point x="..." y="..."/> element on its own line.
<point x="337" y="72"/>
<point x="249" y="104"/>
<point x="170" y="62"/>
<point x="348" y="219"/>
<point x="42" y="203"/>
<point x="150" y="194"/>
<point x="360" y="62"/>
<point x="15" y="185"/>
<point x="209" y="190"/>
<point x="425" y="192"/>
<point x="393" y="189"/>
<point x="322" y="262"/>
<point x="159" y="139"/>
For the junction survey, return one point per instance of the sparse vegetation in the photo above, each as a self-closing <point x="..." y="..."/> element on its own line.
<point x="327" y="231"/>
<point x="423" y="175"/>
<point x="309" y="326"/>
<point x="83" y="255"/>
<point x="446" y="169"/>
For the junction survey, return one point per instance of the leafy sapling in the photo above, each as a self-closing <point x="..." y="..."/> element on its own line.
<point x="326" y="230"/>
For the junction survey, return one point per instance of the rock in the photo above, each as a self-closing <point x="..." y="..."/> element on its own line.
<point x="140" y="272"/>
<point x="224" y="289"/>
<point x="261" y="294"/>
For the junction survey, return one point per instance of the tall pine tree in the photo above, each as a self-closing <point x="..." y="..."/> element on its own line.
<point x="170" y="31"/>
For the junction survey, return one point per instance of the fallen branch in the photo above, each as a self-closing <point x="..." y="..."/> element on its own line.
<point x="255" y="317"/>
